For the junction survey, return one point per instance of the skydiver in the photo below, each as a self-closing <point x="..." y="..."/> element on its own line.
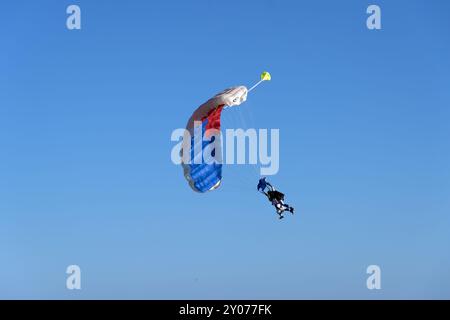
<point x="263" y="185"/>
<point x="275" y="197"/>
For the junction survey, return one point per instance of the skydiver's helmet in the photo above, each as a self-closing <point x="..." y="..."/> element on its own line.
<point x="262" y="184"/>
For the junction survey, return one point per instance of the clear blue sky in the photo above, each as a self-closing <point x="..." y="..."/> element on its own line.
<point x="85" y="171"/>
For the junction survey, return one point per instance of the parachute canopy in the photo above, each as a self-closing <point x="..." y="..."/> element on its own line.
<point x="206" y="175"/>
<point x="203" y="176"/>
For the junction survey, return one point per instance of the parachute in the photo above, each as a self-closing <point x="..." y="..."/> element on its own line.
<point x="201" y="175"/>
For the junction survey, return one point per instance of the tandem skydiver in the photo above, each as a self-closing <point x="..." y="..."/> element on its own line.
<point x="274" y="196"/>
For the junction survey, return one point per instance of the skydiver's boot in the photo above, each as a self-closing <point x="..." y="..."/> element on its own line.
<point x="291" y="209"/>
<point x="280" y="213"/>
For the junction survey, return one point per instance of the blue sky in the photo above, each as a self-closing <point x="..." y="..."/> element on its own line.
<point x="85" y="171"/>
